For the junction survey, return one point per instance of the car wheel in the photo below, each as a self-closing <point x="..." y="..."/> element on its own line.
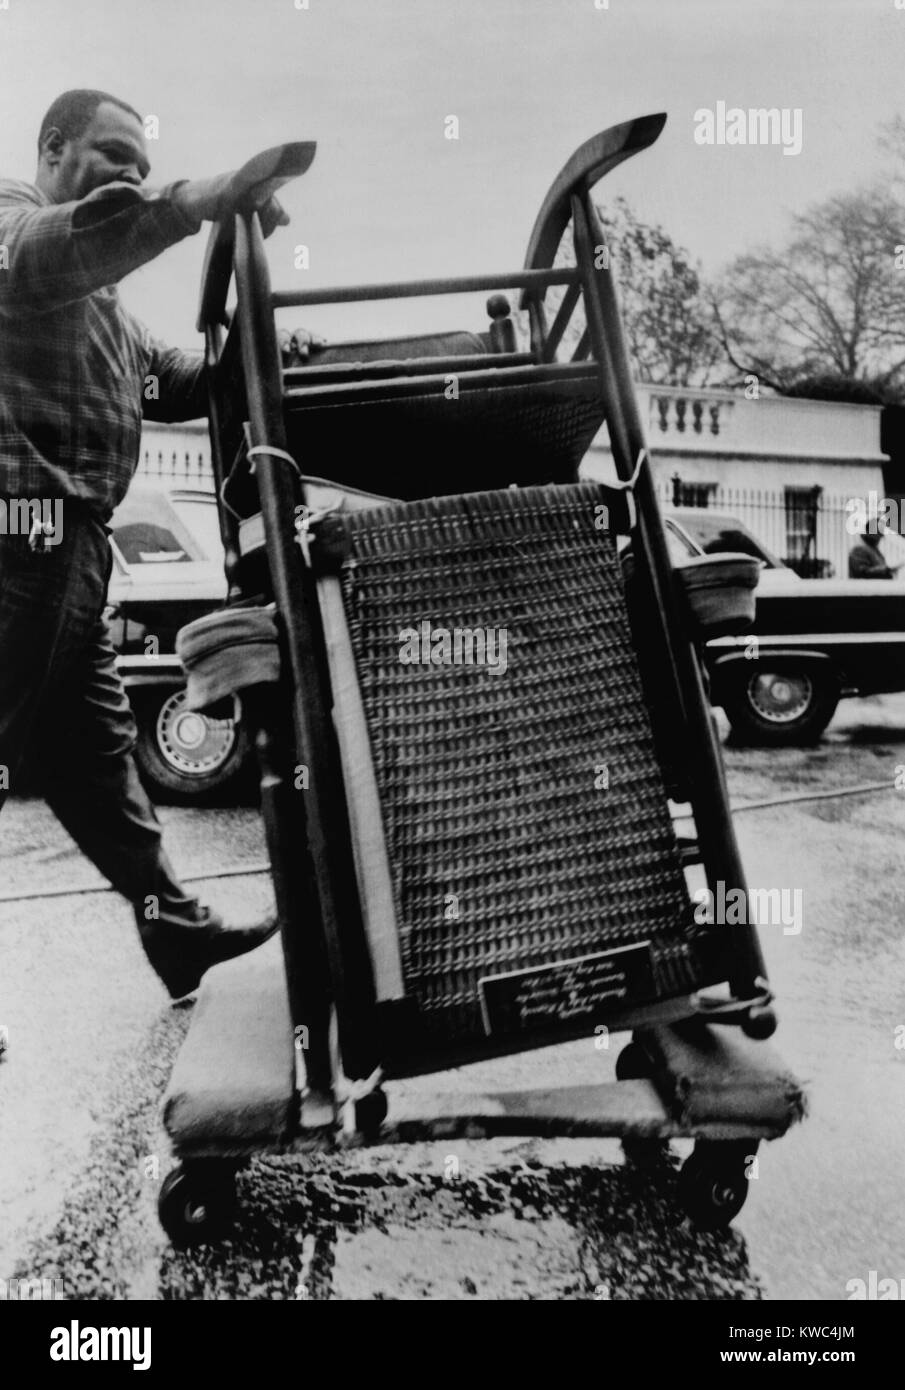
<point x="184" y="755"/>
<point x="780" y="706"/>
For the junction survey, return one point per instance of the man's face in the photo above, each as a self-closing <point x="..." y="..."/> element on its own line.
<point x="111" y="149"/>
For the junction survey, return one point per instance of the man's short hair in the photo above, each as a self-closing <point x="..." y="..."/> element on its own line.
<point x="73" y="112"/>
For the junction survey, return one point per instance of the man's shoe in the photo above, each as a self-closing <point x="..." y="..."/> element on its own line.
<point x="181" y="954"/>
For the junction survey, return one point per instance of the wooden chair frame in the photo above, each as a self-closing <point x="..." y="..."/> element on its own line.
<point x="334" y="939"/>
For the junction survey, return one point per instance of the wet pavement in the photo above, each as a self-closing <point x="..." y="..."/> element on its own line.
<point x="92" y="1038"/>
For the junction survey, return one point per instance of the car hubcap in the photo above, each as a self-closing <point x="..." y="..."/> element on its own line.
<point x="781" y="698"/>
<point x="191" y="743"/>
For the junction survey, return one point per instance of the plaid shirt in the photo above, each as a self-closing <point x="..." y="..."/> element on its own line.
<point x="76" y="369"/>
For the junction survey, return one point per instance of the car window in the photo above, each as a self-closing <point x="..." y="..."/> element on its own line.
<point x="715" y="534"/>
<point x="200" y="516"/>
<point x="148" y="531"/>
<point x="680" y="547"/>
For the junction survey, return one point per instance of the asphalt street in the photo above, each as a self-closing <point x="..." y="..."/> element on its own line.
<point x="91" y="1037"/>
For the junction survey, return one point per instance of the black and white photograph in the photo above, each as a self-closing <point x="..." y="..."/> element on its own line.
<point x="452" y="664"/>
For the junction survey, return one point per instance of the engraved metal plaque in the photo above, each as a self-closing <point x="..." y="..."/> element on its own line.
<point x="578" y="991"/>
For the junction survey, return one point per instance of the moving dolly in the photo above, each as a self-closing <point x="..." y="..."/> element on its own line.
<point x="482" y="848"/>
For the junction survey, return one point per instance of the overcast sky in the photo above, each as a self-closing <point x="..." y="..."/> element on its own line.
<point x="372" y="81"/>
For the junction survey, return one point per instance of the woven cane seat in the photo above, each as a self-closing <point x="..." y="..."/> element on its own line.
<point x="524" y="811"/>
<point x="414" y="445"/>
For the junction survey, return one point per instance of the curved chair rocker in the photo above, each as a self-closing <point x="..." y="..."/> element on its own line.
<point x="473" y="847"/>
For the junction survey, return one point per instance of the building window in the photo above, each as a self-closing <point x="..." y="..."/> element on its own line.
<point x="691" y="494"/>
<point x="801" y="527"/>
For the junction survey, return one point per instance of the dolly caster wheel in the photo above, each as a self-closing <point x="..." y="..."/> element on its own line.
<point x="646" y="1155"/>
<point x="370" y="1112"/>
<point x="197" y="1203"/>
<point x="713" y="1185"/>
<point x="633" y="1063"/>
<point x="760" y="1023"/>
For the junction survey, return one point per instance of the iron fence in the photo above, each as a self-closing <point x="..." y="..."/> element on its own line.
<point x="807" y="528"/>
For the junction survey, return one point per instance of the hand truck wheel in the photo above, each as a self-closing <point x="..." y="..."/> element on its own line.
<point x="713" y="1184"/>
<point x="760" y="1023"/>
<point x="197" y="1202"/>
<point x="370" y="1112"/>
<point x="633" y="1064"/>
<point x="645" y="1154"/>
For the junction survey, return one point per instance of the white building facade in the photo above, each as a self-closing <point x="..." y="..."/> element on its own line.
<point x="785" y="467"/>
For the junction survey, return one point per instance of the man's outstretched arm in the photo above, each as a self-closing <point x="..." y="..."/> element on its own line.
<point x="55" y="254"/>
<point x="58" y="253"/>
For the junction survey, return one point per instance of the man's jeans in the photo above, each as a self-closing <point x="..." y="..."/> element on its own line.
<point x="63" y="708"/>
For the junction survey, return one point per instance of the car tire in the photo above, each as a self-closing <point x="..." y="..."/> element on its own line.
<point x="779" y="706"/>
<point x="185" y="756"/>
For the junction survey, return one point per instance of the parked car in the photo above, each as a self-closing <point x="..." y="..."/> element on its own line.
<point x="701" y="531"/>
<point x="167" y="570"/>
<point x="814" y="640"/>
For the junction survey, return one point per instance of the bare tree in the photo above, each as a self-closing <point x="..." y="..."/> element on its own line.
<point x="664" y="302"/>
<point x="827" y="308"/>
<point x="665" y="305"/>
